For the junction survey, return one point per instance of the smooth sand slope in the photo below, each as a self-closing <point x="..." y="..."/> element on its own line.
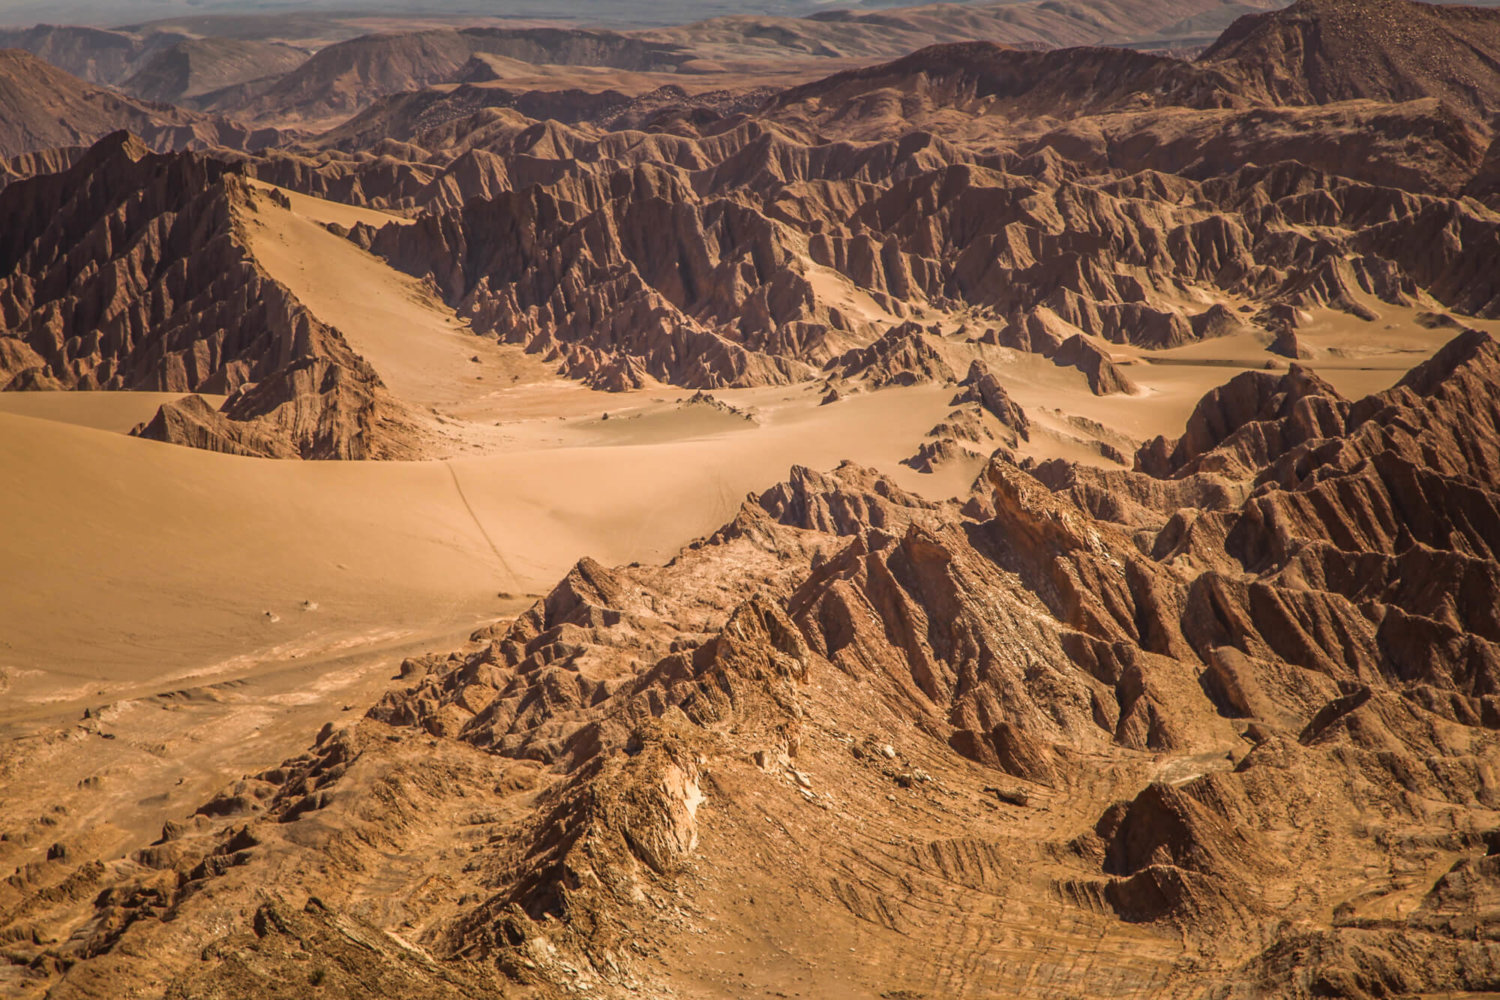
<point x="421" y="350"/>
<point x="143" y="565"/>
<point x="138" y="567"/>
<point x="109" y="411"/>
<point x="134" y="562"/>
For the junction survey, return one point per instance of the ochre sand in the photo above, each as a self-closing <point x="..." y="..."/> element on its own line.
<point x="138" y="567"/>
<point x="212" y="612"/>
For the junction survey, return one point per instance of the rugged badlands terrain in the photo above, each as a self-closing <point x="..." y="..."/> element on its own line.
<point x="872" y="505"/>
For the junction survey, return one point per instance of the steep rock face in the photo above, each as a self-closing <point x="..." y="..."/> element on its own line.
<point x="314" y="407"/>
<point x="48" y="161"/>
<point x="1359" y="506"/>
<point x="1285" y="647"/>
<point x="1485" y="182"/>
<point x="711" y="265"/>
<point x="1037" y="632"/>
<point x="1242" y="709"/>
<point x="983" y="388"/>
<point x="126" y="272"/>
<point x="839" y="503"/>
<point x="633" y="265"/>
<point x="985" y="417"/>
<point x="191" y="421"/>
<point x="1249" y="421"/>
<point x="338" y="80"/>
<point x="1104" y="378"/>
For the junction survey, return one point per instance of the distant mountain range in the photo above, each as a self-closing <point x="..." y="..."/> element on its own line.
<point x="1116" y="612"/>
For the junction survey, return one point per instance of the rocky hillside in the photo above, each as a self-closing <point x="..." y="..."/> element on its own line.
<point x="1216" y="718"/>
<point x="344" y="78"/>
<point x="97" y="55"/>
<point x="1098" y="194"/>
<point x="1320" y="51"/>
<point x="126" y="271"/>
<point x="751" y="255"/>
<point x="195" y="70"/>
<point x="872" y="35"/>
<point x="44" y="108"/>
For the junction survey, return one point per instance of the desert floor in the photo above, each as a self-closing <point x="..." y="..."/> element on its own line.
<point x="211" y="610"/>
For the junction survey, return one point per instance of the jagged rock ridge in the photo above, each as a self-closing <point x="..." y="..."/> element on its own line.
<point x="698" y="250"/>
<point x="126" y="271"/>
<point x="1214" y="682"/>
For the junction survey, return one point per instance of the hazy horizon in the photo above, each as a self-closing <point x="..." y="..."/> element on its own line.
<point x="130" y="13"/>
<point x="882" y="499"/>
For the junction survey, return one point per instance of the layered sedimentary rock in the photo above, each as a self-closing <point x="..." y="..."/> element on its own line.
<point x="126" y="271"/>
<point x="727" y="249"/>
<point x="1236" y="728"/>
<point x="45" y="108"/>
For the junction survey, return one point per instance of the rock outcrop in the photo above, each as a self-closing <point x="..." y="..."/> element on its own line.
<point x="1251" y="420"/>
<point x="126" y="271"/>
<point x="981" y="386"/>
<point x="904" y="355"/>
<point x="1242" y="708"/>
<point x="745" y="222"/>
<point x="1222" y="724"/>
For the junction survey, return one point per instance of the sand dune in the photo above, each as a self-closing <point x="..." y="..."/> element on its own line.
<point x="980" y="561"/>
<point x="190" y="551"/>
<point x="108" y="411"/>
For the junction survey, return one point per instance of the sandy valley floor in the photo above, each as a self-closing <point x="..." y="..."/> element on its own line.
<point x="196" y="600"/>
<point x="145" y="567"/>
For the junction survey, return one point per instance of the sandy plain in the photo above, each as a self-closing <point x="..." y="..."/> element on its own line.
<point x="142" y="571"/>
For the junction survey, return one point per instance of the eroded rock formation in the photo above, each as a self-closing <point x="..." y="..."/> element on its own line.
<point x="126" y="271"/>
<point x="1237" y="691"/>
